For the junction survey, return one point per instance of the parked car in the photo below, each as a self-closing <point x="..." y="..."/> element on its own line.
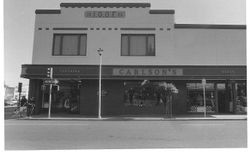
<point x="12" y="102"/>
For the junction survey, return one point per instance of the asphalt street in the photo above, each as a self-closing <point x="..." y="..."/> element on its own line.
<point x="78" y="134"/>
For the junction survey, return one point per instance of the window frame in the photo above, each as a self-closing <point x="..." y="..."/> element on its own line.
<point x="61" y="43"/>
<point x="146" y="35"/>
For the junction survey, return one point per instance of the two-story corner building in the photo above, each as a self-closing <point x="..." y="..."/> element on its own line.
<point x="139" y="44"/>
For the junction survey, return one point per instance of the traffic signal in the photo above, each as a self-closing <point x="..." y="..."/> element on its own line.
<point x="20" y="87"/>
<point x="49" y="72"/>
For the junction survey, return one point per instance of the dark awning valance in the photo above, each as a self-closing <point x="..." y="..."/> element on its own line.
<point x="135" y="72"/>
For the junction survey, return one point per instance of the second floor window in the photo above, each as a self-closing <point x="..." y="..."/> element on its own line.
<point x="138" y="45"/>
<point x="69" y="45"/>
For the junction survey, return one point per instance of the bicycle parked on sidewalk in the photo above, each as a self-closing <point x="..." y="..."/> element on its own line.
<point x="26" y="108"/>
<point x="30" y="106"/>
<point x="20" y="112"/>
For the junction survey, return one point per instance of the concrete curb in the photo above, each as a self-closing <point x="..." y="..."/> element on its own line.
<point x="133" y="119"/>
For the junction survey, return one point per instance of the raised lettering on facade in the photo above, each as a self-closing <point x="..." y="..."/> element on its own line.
<point x="104" y="14"/>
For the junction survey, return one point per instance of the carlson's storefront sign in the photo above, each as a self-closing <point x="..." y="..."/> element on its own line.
<point x="147" y="72"/>
<point x="104" y="14"/>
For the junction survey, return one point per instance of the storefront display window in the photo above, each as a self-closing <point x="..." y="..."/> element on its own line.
<point x="241" y="98"/>
<point x="65" y="100"/>
<point x="149" y="94"/>
<point x="195" y="98"/>
<point x="136" y="95"/>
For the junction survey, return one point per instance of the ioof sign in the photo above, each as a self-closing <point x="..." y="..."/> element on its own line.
<point x="104" y="14"/>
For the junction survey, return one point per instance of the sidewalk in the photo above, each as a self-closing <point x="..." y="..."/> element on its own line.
<point x="153" y="118"/>
<point x="214" y="117"/>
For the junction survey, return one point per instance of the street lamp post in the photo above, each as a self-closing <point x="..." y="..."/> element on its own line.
<point x="204" y="96"/>
<point x="100" y="51"/>
<point x="50" y="75"/>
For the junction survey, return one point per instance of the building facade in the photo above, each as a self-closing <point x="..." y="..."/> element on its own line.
<point x="139" y="44"/>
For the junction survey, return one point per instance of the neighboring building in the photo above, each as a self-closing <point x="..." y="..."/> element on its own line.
<point x="139" y="44"/>
<point x="8" y="94"/>
<point x="11" y="95"/>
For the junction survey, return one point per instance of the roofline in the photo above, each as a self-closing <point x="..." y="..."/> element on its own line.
<point x="162" y="11"/>
<point x="117" y="5"/>
<point x="209" y="26"/>
<point x="46" y="11"/>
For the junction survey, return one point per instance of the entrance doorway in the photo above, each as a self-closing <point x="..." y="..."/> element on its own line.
<point x="222" y="101"/>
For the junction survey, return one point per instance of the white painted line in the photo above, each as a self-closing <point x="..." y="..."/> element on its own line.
<point x="147" y="118"/>
<point x="203" y="124"/>
<point x="45" y="124"/>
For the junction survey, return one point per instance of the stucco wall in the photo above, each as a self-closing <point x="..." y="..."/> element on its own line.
<point x="210" y="46"/>
<point x="109" y="40"/>
<point x="173" y="47"/>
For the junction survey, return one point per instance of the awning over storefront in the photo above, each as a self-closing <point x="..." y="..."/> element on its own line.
<point x="136" y="72"/>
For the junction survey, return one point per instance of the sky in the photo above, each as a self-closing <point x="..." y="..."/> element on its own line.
<point x="19" y="19"/>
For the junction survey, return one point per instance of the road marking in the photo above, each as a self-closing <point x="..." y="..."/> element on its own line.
<point x="45" y="124"/>
<point x="199" y="124"/>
